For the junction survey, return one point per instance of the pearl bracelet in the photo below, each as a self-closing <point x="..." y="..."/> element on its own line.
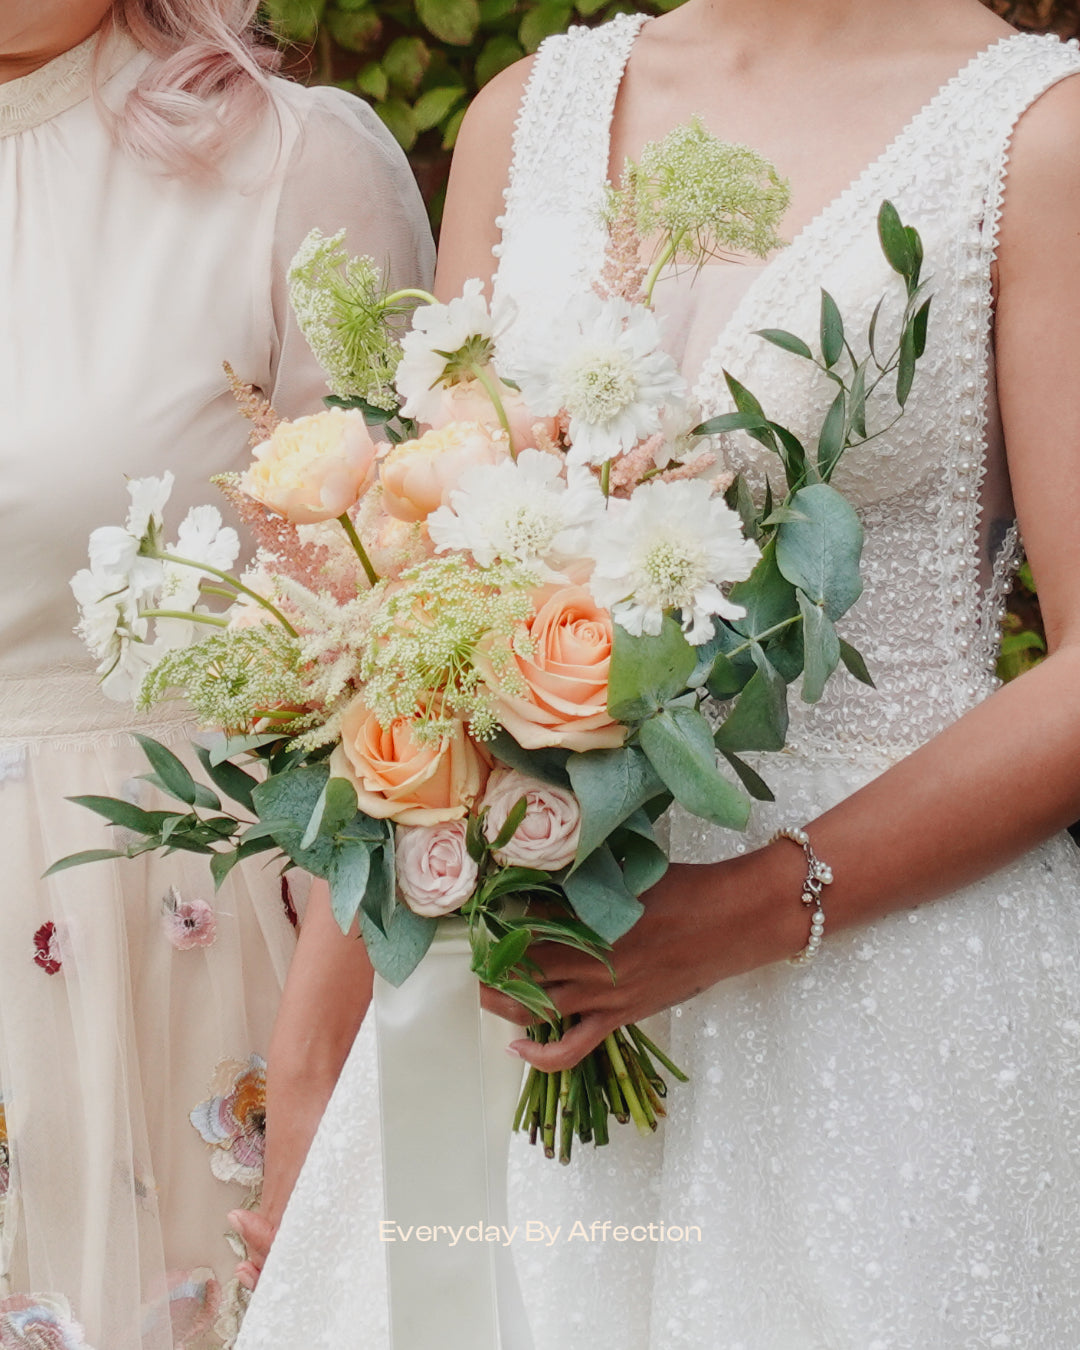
<point x="818" y="876"/>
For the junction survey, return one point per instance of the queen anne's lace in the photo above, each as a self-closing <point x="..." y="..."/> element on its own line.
<point x="882" y="1152"/>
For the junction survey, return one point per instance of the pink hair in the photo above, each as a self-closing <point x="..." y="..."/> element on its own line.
<point x="206" y="90"/>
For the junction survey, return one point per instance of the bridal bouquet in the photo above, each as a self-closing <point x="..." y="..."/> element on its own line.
<point x="503" y="612"/>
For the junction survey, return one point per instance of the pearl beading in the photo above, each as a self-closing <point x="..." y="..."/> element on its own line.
<point x="818" y="876"/>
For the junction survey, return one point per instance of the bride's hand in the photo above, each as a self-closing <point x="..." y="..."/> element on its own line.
<point x="257" y="1231"/>
<point x="701" y="924"/>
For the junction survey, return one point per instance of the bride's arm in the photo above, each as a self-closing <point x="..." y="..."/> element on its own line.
<point x="950" y="813"/>
<point x="327" y="993"/>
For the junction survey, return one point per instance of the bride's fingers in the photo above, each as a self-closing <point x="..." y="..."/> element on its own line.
<point x="247" y="1275"/>
<point x="257" y="1233"/>
<point x="575" y="1044"/>
<point x="505" y="1006"/>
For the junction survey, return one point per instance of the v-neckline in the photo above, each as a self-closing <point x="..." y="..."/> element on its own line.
<point x="857" y="187"/>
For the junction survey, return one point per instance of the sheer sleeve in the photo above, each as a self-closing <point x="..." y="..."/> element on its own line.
<point x="345" y="171"/>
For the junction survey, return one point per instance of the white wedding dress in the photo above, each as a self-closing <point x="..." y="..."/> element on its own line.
<point x="882" y="1151"/>
<point x="122" y="291"/>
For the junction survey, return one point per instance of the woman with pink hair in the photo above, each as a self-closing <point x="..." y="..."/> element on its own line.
<point x="155" y="180"/>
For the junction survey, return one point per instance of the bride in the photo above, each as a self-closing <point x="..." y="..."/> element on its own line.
<point x="880" y="1149"/>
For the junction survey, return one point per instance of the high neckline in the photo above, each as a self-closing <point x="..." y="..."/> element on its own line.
<point x="61" y="83"/>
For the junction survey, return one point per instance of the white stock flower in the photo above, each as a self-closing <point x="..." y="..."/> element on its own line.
<point x="444" y="344"/>
<point x="522" y="511"/>
<point x="201" y="538"/>
<point x="148" y="499"/>
<point x="113" y="632"/>
<point x="671" y="546"/>
<point x="605" y="367"/>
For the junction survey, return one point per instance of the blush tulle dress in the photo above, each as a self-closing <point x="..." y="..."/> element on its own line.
<point x="132" y="1021"/>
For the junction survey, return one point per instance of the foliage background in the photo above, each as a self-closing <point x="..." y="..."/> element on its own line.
<point x="420" y="63"/>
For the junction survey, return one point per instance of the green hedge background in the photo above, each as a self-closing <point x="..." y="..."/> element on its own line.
<point x="420" y="63"/>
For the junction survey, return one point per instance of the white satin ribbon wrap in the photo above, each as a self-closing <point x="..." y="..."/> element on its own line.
<point x="448" y="1090"/>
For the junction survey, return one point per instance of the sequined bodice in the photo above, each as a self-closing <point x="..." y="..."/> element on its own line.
<point x="932" y="493"/>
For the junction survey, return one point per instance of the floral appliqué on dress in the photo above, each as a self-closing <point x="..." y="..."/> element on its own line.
<point x="5" y="1157"/>
<point x="233" y="1121"/>
<point x="188" y="1310"/>
<point x="47" y="948"/>
<point x="187" y="923"/>
<point x="39" y="1322"/>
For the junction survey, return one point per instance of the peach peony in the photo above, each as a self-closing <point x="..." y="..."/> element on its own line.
<point x="418" y="476"/>
<point x="397" y="777"/>
<point x="313" y="469"/>
<point x="566" y="677"/>
<point x="469" y="402"/>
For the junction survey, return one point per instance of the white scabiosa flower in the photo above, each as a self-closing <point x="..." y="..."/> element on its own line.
<point x="201" y="538"/>
<point x="604" y="366"/>
<point x="671" y="546"/>
<point x="149" y="497"/>
<point x="520" y="511"/>
<point x="446" y="345"/>
<point x="113" y="632"/>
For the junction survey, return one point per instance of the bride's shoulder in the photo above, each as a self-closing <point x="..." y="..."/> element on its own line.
<point x="1044" y="157"/>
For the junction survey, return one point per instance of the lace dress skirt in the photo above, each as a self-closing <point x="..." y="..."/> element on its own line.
<point x="134" y="1001"/>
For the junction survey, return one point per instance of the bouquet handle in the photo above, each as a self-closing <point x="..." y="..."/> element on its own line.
<point x="447" y="1092"/>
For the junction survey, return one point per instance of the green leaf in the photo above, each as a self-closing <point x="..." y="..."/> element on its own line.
<point x="231" y="779"/>
<point x="610" y="785"/>
<point x="821" y="649"/>
<point x="793" y="454"/>
<point x="436" y="105"/>
<point x="517" y="881"/>
<point x="356" y="31"/>
<point x="118" y="812"/>
<point x="788" y="342"/>
<point x="679" y="744"/>
<point x="87" y="856"/>
<point x="751" y="781"/>
<point x="295" y="20"/>
<point x="542" y="20"/>
<point x="821" y="554"/>
<point x="894" y="241"/>
<point x="496" y="55"/>
<point x="401" y="120"/>
<point x="905" y="372"/>
<point x="766" y="595"/>
<point x="832" y="330"/>
<point x="832" y="439"/>
<point x="648" y="671"/>
<point x="858" y="402"/>
<point x="920" y="327"/>
<point x="741" y="500"/>
<point x="380" y="896"/>
<point x="855" y="664"/>
<point x="736" y="421"/>
<point x="450" y="131"/>
<point x="348" y="873"/>
<point x="549" y="764"/>
<point x="406" y="62"/>
<point x="600" y="896"/>
<point x="873" y="326"/>
<point x="221" y="864"/>
<point x="452" y="21"/>
<point x="203" y="795"/>
<point x="228" y="746"/>
<point x="373" y="81"/>
<point x="397" y="953"/>
<point x="505" y="954"/>
<point x="334" y="809"/>
<point x="174" y="777"/>
<point x="510" y="825"/>
<point x="641" y="858"/>
<point x="726" y="679"/>
<point x="759" y="719"/>
<point x="290" y="798"/>
<point x="745" y="401"/>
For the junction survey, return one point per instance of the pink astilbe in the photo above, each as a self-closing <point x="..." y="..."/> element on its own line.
<point x="690" y="468"/>
<point x="628" y="470"/>
<point x="206" y="90"/>
<point x="258" y="410"/>
<point x="276" y="536"/>
<point x="624" y="272"/>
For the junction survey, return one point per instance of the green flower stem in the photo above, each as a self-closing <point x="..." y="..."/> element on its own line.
<point x="361" y="552"/>
<point x="528" y="1095"/>
<point x="657" y="1054"/>
<point x="229" y="581"/>
<point x="656" y="270"/>
<point x="626" y="1086"/>
<point x="492" y="391"/>
<point x="214" y="620"/>
<point x="409" y="293"/>
<point x="218" y="590"/>
<point x="605" y="478"/>
<point x="768" y="633"/>
<point x="551" y="1106"/>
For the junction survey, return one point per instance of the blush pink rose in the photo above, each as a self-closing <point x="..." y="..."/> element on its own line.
<point x="470" y="402"/>
<point x="418" y="476"/>
<point x="566" y="677"/>
<point x="313" y="469"/>
<point x="547" y="837"/>
<point x="397" y="777"/>
<point x="435" y="873"/>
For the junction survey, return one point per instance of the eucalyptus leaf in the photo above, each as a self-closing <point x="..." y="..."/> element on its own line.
<point x="647" y="671"/>
<point x="610" y="785"/>
<point x="334" y="809"/>
<point x="751" y="780"/>
<point x="821" y="554"/>
<point x="548" y="764"/>
<point x="759" y="719"/>
<point x="291" y="797"/>
<point x="821" y="649"/>
<point x="600" y="896"/>
<point x="767" y="595"/>
<point x="396" y="953"/>
<point x="679" y="744"/>
<point x="855" y="664"/>
<point x="641" y="858"/>
<point x="348" y="873"/>
<point x="235" y="745"/>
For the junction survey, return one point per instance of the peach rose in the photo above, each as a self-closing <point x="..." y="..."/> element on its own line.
<point x="566" y="677"/>
<point x="469" y="402"/>
<point x="547" y="837"/>
<point x="418" y="476"/>
<point x="313" y="469"/>
<point x="396" y="776"/>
